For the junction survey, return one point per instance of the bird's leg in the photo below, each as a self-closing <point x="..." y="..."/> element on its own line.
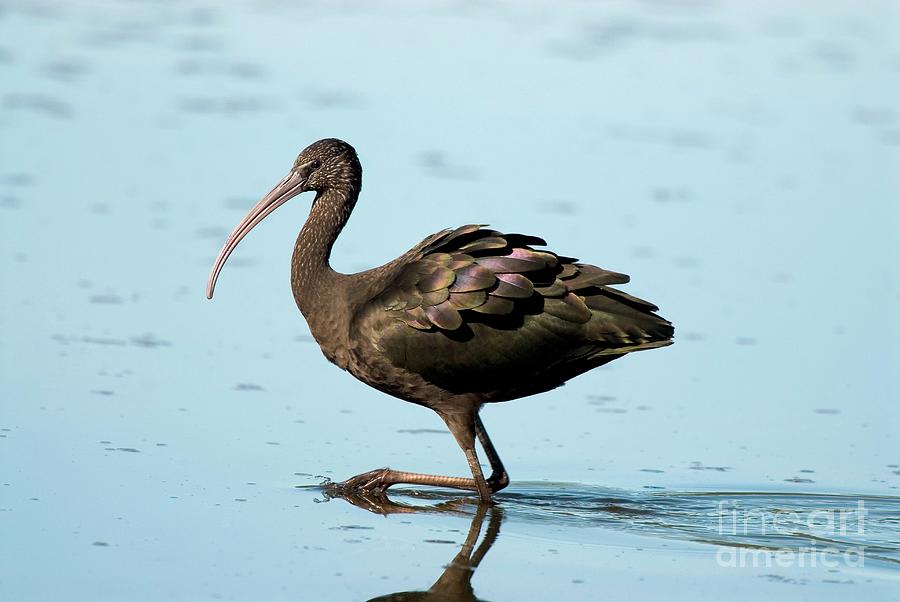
<point x="499" y="478"/>
<point x="463" y="429"/>
<point x="381" y="478"/>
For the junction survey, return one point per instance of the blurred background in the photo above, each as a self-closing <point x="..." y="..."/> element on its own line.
<point x="738" y="160"/>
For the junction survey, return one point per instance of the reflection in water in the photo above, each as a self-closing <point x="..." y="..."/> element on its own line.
<point x="455" y="583"/>
<point x="860" y="529"/>
<point x="378" y="502"/>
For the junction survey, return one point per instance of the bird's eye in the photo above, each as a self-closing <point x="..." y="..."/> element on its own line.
<point x="315" y="164"/>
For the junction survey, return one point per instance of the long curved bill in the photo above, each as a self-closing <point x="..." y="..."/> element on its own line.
<point x="288" y="188"/>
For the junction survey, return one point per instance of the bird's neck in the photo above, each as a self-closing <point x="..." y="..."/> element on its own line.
<point x="312" y="279"/>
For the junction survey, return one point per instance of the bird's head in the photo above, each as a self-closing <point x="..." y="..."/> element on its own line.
<point x="328" y="164"/>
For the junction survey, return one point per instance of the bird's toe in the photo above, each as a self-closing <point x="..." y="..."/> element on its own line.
<point x="374" y="480"/>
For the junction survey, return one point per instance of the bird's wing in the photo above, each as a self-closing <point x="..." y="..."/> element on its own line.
<point x="473" y="309"/>
<point x="455" y="274"/>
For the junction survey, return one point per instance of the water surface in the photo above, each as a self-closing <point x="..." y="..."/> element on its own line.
<point x="738" y="161"/>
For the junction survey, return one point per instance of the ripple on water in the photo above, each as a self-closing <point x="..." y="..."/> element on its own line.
<point x="770" y="521"/>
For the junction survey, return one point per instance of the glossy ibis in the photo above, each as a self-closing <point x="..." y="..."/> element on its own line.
<point x="468" y="316"/>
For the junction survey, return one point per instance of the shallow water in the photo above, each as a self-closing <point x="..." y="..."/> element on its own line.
<point x="738" y="161"/>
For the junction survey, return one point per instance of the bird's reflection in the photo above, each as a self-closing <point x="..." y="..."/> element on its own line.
<point x="455" y="583"/>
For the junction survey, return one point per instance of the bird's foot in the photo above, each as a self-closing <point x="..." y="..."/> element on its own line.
<point x="372" y="481"/>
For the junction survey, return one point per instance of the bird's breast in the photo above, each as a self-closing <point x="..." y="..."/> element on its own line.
<point x="331" y="333"/>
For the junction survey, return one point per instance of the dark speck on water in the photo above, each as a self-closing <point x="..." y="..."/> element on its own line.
<point x="834" y="55"/>
<point x="873" y="116"/>
<point x="671" y="194"/>
<point x="231" y="105"/>
<point x="100" y="544"/>
<point x="782" y="579"/>
<point x="118" y="34"/>
<point x="202" y="43"/>
<point x="104" y="341"/>
<point x="679" y="138"/>
<point x="423" y="431"/>
<point x="50" y="106"/>
<point x="827" y="411"/>
<point x="686" y="262"/>
<point x="8" y="201"/>
<point x="106" y="299"/>
<point x="642" y="252"/>
<point x="65" y="70"/>
<point x="242" y="262"/>
<point x="101" y="208"/>
<point x="599" y="400"/>
<point x="238" y="203"/>
<point x="615" y="35"/>
<point x="19" y="178"/>
<point x="212" y="232"/>
<point x="335" y="99"/>
<point x="782" y="277"/>
<point x="245" y="71"/>
<point x="799" y="480"/>
<point x="558" y="207"/>
<point x="700" y="466"/>
<point x="149" y="340"/>
<point x="248" y="387"/>
<point x="202" y="16"/>
<point x="437" y="164"/>
<point x="195" y="67"/>
<point x="891" y="137"/>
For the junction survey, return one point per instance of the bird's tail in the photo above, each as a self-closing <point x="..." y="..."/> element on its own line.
<point x="625" y="323"/>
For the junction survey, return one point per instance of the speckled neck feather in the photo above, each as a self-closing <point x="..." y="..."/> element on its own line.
<point x="311" y="274"/>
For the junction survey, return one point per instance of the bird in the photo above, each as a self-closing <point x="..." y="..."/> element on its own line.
<point x="469" y="316"/>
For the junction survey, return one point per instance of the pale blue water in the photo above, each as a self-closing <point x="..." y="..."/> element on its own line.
<point x="740" y="162"/>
